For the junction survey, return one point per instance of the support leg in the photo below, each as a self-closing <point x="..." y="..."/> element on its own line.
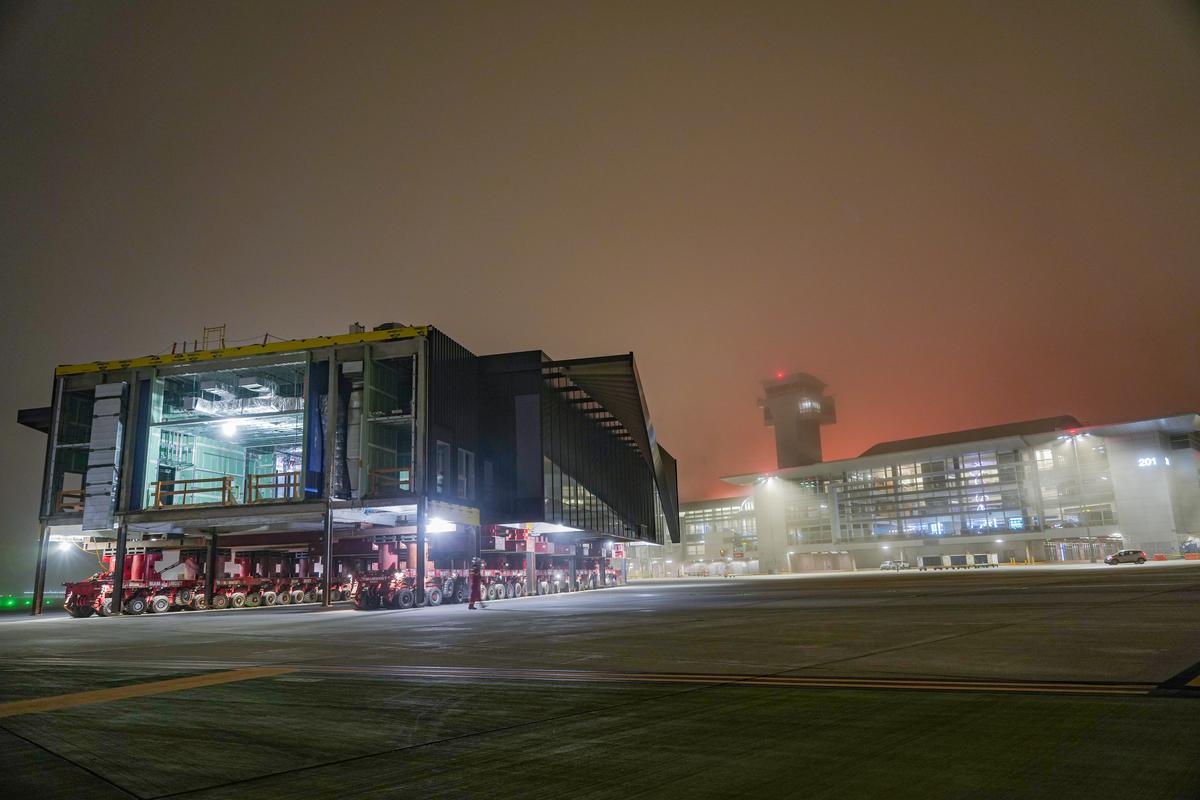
<point x="210" y="570"/>
<point x="39" y="575"/>
<point x="327" y="561"/>
<point x="419" y="588"/>
<point x="530" y="572"/>
<point x="118" y="590"/>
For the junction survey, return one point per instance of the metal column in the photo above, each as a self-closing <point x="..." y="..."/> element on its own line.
<point x="39" y="574"/>
<point x="327" y="558"/>
<point x="419" y="588"/>
<point x="573" y="581"/>
<point x="118" y="569"/>
<point x="210" y="570"/>
<point x="330" y="448"/>
<point x="530" y="569"/>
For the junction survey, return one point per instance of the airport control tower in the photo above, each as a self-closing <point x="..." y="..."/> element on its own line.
<point x="796" y="406"/>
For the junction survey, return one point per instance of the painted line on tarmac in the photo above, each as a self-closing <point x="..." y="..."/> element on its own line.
<point x="775" y="681"/>
<point x="1182" y="684"/>
<point x="39" y="705"/>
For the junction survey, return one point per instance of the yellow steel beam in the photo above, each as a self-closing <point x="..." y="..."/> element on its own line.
<point x="290" y="346"/>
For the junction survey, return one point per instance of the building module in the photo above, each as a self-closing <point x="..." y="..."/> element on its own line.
<point x="376" y="465"/>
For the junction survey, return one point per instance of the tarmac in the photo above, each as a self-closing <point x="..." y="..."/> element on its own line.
<point x="1013" y="682"/>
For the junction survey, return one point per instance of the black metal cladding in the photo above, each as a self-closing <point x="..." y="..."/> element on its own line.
<point x="591" y="448"/>
<point x="453" y="411"/>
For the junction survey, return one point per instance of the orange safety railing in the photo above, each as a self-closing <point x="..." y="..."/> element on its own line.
<point x="165" y="491"/>
<point x="69" y="501"/>
<point x="267" y="486"/>
<point x="391" y="478"/>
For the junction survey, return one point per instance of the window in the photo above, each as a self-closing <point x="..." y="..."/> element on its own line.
<point x="441" y="466"/>
<point x="466" y="474"/>
<point x="225" y="436"/>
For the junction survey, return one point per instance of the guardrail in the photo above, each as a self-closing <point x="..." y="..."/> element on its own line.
<point x="391" y="478"/>
<point x="69" y="501"/>
<point x="275" y="485"/>
<point x="165" y="492"/>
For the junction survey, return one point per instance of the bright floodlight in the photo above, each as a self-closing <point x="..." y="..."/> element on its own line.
<point x="229" y="429"/>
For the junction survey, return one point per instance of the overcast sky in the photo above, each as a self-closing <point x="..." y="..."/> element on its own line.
<point x="956" y="214"/>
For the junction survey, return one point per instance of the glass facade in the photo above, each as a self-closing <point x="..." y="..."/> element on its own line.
<point x="1062" y="484"/>
<point x="386" y="396"/>
<point x="71" y="450"/>
<point x="709" y="527"/>
<point x="225" y="436"/>
<point x="594" y="477"/>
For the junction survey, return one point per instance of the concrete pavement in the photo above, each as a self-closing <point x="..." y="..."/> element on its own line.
<point x="1008" y="683"/>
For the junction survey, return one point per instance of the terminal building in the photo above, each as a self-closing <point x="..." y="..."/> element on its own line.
<point x="391" y="450"/>
<point x="1040" y="490"/>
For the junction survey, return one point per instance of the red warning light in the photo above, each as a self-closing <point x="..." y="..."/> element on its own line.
<point x="779" y="375"/>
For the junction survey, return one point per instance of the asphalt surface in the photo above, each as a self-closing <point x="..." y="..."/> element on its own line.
<point x="1011" y="682"/>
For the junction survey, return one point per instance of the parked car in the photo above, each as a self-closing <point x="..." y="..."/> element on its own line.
<point x="1127" y="557"/>
<point x="896" y="565"/>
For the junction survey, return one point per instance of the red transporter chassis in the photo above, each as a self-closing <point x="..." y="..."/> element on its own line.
<point x="395" y="589"/>
<point x="94" y="596"/>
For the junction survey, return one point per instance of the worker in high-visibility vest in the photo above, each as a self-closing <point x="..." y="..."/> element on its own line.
<point x="476" y="585"/>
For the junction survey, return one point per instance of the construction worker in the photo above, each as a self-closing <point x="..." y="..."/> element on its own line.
<point x="476" y="585"/>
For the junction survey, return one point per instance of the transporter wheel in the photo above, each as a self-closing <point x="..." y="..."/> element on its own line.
<point x="199" y="601"/>
<point x="449" y="590"/>
<point x="254" y="599"/>
<point x="159" y="604"/>
<point x="268" y="598"/>
<point x="135" y="605"/>
<point x="309" y="596"/>
<point x="463" y="593"/>
<point x="183" y="597"/>
<point x="79" y="612"/>
<point x="237" y="599"/>
<point x="297" y="596"/>
<point x="433" y="596"/>
<point x="105" y="608"/>
<point x="518" y="590"/>
<point x="220" y="601"/>
<point x="543" y="587"/>
<point x="405" y="598"/>
<point x="284" y="598"/>
<point x="496" y="591"/>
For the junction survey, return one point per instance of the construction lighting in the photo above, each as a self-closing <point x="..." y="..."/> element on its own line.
<point x="229" y="429"/>
<point x="438" y="525"/>
<point x="64" y="546"/>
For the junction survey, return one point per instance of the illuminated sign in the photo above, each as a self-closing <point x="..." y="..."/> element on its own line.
<point x="1152" y="461"/>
